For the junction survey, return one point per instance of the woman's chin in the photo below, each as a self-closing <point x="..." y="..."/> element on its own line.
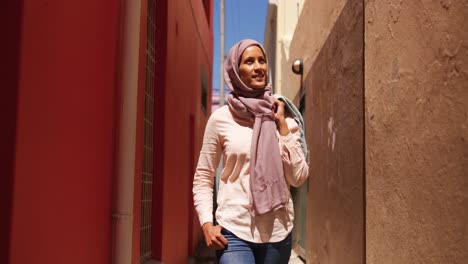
<point x="257" y="86"/>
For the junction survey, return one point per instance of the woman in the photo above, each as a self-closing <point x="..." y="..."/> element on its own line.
<point x="262" y="158"/>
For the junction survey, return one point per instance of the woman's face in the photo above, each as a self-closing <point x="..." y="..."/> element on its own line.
<point x="253" y="68"/>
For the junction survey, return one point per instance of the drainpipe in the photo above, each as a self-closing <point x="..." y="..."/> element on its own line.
<point x="125" y="141"/>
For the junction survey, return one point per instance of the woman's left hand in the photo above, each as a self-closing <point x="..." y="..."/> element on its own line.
<point x="280" y="117"/>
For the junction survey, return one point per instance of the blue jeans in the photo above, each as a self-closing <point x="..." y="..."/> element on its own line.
<point x="245" y="252"/>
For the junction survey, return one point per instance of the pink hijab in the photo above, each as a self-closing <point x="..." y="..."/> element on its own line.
<point x="267" y="184"/>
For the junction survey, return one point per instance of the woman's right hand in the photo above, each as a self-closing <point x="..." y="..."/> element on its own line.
<point x="213" y="237"/>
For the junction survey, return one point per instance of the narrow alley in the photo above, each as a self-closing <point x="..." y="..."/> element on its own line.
<point x="105" y="105"/>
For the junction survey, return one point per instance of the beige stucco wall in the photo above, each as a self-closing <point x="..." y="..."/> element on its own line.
<point x="416" y="94"/>
<point x="281" y="22"/>
<point x="329" y="38"/>
<point x="315" y="23"/>
<point x="269" y="40"/>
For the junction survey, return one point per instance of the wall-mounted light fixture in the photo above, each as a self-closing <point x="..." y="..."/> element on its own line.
<point x="297" y="67"/>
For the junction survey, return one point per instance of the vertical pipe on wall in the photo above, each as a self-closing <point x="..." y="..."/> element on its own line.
<point x="125" y="142"/>
<point x="221" y="40"/>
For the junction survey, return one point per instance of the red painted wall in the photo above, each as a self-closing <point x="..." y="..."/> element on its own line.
<point x="64" y="139"/>
<point x="10" y="18"/>
<point x="189" y="47"/>
<point x="159" y="139"/>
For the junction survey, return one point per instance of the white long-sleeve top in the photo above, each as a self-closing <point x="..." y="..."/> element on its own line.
<point x="225" y="134"/>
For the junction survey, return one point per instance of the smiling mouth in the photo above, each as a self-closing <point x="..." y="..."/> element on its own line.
<point x="258" y="77"/>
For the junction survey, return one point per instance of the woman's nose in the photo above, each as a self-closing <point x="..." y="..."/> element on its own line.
<point x="257" y="65"/>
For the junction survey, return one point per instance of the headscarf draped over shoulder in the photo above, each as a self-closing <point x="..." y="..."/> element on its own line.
<point x="267" y="183"/>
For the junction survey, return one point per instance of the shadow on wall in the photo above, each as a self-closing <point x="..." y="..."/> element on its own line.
<point x="11" y="15"/>
<point x="335" y="132"/>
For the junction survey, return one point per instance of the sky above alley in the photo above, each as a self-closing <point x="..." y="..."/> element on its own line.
<point x="243" y="19"/>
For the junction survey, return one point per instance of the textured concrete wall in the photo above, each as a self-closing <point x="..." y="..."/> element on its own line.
<point x="315" y="23"/>
<point x="416" y="86"/>
<point x="333" y="79"/>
